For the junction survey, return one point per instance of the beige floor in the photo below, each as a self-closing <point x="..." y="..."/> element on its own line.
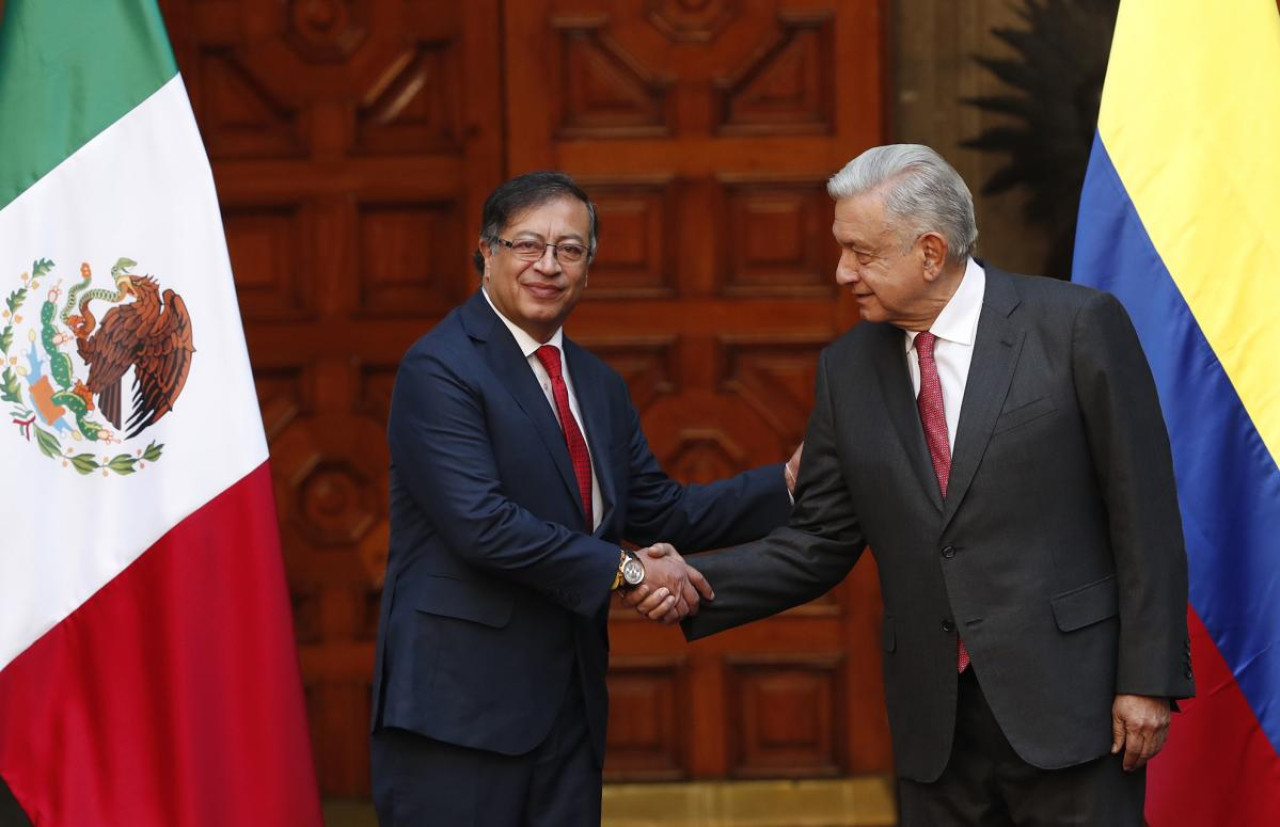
<point x="849" y="802"/>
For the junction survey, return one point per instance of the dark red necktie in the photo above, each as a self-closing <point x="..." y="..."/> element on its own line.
<point x="549" y="356"/>
<point x="934" y="419"/>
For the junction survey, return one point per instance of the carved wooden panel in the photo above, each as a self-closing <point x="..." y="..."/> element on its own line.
<point x="242" y="117"/>
<point x="706" y="131"/>
<point x="322" y="32"/>
<point x="774" y="239"/>
<point x="328" y="469"/>
<point x="307" y="621"/>
<point x="640" y="258"/>
<point x="776" y="378"/>
<point x="789" y="85"/>
<point x="270" y="253"/>
<point x="377" y="380"/>
<point x="405" y="264"/>
<point x="646" y="726"/>
<point x="787" y="712"/>
<point x="603" y="90"/>
<point x="338" y="711"/>
<point x="353" y="143"/>
<point x="280" y="397"/>
<point x="701" y="436"/>
<point x="698" y="22"/>
<point x="415" y="105"/>
<point x="648" y="363"/>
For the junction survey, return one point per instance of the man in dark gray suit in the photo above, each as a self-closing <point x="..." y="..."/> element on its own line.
<point x="997" y="442"/>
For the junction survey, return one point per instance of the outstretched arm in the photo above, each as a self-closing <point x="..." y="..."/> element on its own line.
<point x="797" y="562"/>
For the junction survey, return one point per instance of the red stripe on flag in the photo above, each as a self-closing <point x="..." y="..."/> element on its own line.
<point x="172" y="697"/>
<point x="1217" y="769"/>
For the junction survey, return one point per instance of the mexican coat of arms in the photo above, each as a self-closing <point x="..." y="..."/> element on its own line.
<point x="65" y="370"/>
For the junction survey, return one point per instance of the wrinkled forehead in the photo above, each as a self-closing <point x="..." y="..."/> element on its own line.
<point x="862" y="220"/>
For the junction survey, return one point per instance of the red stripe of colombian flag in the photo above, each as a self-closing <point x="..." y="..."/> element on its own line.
<point x="148" y="673"/>
<point x="171" y="696"/>
<point x="1178" y="218"/>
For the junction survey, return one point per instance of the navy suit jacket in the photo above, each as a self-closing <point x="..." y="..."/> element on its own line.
<point x="495" y="584"/>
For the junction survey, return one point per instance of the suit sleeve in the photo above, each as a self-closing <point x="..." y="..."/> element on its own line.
<point x="1131" y="456"/>
<point x="799" y="561"/>
<point x="442" y="451"/>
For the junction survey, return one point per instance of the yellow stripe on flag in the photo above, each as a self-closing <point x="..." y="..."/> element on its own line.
<point x="1191" y="120"/>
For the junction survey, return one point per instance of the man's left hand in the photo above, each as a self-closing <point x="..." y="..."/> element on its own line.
<point x="1139" y="725"/>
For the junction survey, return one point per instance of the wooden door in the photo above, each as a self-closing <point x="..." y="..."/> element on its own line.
<point x="705" y="131"/>
<point x="353" y="143"/>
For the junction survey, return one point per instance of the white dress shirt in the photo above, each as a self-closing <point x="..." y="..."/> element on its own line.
<point x="956" y="328"/>
<point x="529" y="346"/>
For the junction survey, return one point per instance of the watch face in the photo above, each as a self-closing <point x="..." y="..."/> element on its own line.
<point x="633" y="572"/>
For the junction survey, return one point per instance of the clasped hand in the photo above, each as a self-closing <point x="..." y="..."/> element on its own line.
<point x="672" y="589"/>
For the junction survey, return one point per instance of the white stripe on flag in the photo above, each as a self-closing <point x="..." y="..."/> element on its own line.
<point x="142" y="189"/>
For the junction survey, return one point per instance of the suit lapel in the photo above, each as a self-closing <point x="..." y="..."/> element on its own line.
<point x="995" y="355"/>
<point x="509" y="364"/>
<point x="895" y="385"/>
<point x="592" y="393"/>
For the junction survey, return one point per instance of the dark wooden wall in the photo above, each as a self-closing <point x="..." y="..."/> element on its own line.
<point x="933" y="72"/>
<point x="353" y="143"/>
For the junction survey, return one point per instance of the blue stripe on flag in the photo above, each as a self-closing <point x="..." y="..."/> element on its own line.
<point x="1228" y="483"/>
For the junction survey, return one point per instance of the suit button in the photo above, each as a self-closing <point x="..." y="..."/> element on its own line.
<point x="948" y="626"/>
<point x="948" y="552"/>
<point x="1188" y="673"/>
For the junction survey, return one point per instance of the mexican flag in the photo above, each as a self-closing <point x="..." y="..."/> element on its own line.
<point x="148" y="673"/>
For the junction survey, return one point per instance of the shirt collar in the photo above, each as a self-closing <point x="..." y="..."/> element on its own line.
<point x="527" y="344"/>
<point x="958" y="321"/>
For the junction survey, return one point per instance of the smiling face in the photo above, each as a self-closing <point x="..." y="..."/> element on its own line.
<point x="894" y="279"/>
<point x="538" y="295"/>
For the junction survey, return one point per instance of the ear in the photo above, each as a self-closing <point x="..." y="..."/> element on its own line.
<point x="933" y="253"/>
<point x="486" y="251"/>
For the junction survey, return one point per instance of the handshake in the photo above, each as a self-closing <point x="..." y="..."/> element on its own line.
<point x="672" y="589"/>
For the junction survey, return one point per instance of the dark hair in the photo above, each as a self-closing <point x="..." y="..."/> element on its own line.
<point x="533" y="189"/>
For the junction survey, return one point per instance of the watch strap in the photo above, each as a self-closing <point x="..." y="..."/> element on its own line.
<point x="617" y="575"/>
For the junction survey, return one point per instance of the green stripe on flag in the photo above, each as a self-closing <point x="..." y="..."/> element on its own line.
<point x="68" y="70"/>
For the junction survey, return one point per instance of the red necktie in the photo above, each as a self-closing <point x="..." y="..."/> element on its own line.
<point x="549" y="356"/>
<point x="934" y="419"/>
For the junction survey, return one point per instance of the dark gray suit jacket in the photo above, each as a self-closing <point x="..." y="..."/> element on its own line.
<point x="1057" y="554"/>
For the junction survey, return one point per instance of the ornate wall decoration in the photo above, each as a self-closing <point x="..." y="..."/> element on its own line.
<point x="696" y="21"/>
<point x="326" y="30"/>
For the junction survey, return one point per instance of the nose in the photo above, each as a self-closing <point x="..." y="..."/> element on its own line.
<point x="548" y="263"/>
<point x="847" y="270"/>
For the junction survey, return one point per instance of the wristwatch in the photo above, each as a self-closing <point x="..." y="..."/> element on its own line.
<point x="632" y="571"/>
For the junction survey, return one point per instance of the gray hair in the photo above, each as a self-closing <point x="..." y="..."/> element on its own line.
<point x="921" y="189"/>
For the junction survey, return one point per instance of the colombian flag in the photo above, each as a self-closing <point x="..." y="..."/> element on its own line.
<point x="1180" y="218"/>
<point x="148" y="674"/>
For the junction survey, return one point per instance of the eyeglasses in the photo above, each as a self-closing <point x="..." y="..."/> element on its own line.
<point x="531" y="249"/>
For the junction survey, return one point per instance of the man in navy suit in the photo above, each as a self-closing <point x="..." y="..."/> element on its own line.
<point x="517" y="466"/>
